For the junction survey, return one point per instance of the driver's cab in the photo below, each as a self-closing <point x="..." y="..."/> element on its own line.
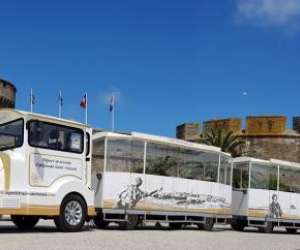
<point x="42" y="159"/>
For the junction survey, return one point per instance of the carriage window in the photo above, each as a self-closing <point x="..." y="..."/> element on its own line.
<point x="240" y="178"/>
<point x="263" y="177"/>
<point x="56" y="137"/>
<point x="98" y="157"/>
<point x="289" y="179"/>
<point x="162" y="160"/>
<point x="125" y="156"/>
<point x="199" y="165"/>
<point x="225" y="170"/>
<point x="11" y="134"/>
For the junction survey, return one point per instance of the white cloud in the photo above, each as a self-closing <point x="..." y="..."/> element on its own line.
<point x="270" y="13"/>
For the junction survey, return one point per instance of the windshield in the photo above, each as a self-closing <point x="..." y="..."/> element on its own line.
<point x="11" y="134"/>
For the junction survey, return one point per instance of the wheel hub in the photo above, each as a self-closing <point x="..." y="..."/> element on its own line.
<point x="73" y="213"/>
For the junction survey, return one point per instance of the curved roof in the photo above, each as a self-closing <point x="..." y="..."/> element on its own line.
<point x="159" y="139"/>
<point x="43" y="117"/>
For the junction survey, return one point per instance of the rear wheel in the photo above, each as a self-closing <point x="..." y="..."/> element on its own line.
<point x="268" y="228"/>
<point x="291" y="230"/>
<point x="175" y="225"/>
<point x="238" y="225"/>
<point x="72" y="215"/>
<point x="100" y="222"/>
<point x="24" y="222"/>
<point x="131" y="223"/>
<point x="207" y="225"/>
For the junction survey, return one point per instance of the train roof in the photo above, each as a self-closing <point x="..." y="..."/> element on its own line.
<point x="267" y="162"/>
<point x="7" y="114"/>
<point x="159" y="139"/>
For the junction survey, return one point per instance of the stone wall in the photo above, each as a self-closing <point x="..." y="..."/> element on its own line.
<point x="188" y="131"/>
<point x="265" y="124"/>
<point x="231" y="124"/>
<point x="281" y="147"/>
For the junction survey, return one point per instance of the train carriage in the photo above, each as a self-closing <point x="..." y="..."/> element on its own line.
<point x="138" y="177"/>
<point x="265" y="194"/>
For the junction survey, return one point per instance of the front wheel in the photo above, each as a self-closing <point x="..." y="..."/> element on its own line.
<point x="72" y="215"/>
<point x="24" y="222"/>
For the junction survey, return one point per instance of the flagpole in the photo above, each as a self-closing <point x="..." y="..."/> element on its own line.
<point x="113" y="113"/>
<point x="59" y="104"/>
<point x="31" y="101"/>
<point x="86" y="109"/>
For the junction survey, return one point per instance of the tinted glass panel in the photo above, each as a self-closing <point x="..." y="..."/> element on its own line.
<point x="225" y="170"/>
<point x="289" y="179"/>
<point x="52" y="136"/>
<point x="263" y="177"/>
<point x="11" y="134"/>
<point x="240" y="178"/>
<point x="125" y="156"/>
<point x="178" y="162"/>
<point x="163" y="160"/>
<point x="98" y="157"/>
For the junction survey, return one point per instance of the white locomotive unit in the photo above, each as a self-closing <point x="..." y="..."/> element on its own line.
<point x="45" y="170"/>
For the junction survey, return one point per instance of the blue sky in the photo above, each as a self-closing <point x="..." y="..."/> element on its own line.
<point x="170" y="61"/>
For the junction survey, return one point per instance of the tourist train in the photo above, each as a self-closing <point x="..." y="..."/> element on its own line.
<point x="53" y="168"/>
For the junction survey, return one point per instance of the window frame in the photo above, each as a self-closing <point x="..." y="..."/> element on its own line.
<point x="88" y="144"/>
<point x="56" y="125"/>
<point x="6" y="123"/>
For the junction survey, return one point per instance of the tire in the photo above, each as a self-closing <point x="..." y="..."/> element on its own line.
<point x="238" y="225"/>
<point x="207" y="225"/>
<point x="99" y="222"/>
<point x="25" y="222"/>
<point x="291" y="230"/>
<point x="73" y="213"/>
<point x="175" y="225"/>
<point x="132" y="222"/>
<point x="268" y="228"/>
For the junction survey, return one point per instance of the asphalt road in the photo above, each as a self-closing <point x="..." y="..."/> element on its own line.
<point x="45" y="237"/>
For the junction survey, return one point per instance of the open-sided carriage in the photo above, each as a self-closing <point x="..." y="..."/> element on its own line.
<point x="265" y="194"/>
<point x="138" y="177"/>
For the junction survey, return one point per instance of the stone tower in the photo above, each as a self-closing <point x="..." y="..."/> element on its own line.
<point x="7" y="94"/>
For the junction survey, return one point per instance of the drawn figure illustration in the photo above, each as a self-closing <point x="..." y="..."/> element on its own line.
<point x="129" y="197"/>
<point x="274" y="208"/>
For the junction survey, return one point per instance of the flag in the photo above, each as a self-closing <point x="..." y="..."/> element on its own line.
<point x="83" y="102"/>
<point x="112" y="103"/>
<point x="32" y="98"/>
<point x="60" y="99"/>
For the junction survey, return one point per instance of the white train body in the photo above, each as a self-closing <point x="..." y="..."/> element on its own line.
<point x="160" y="178"/>
<point x="266" y="192"/>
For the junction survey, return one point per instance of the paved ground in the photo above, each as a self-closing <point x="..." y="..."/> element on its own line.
<point x="45" y="237"/>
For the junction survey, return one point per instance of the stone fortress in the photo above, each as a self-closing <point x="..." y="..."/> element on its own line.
<point x="7" y="94"/>
<point x="265" y="136"/>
